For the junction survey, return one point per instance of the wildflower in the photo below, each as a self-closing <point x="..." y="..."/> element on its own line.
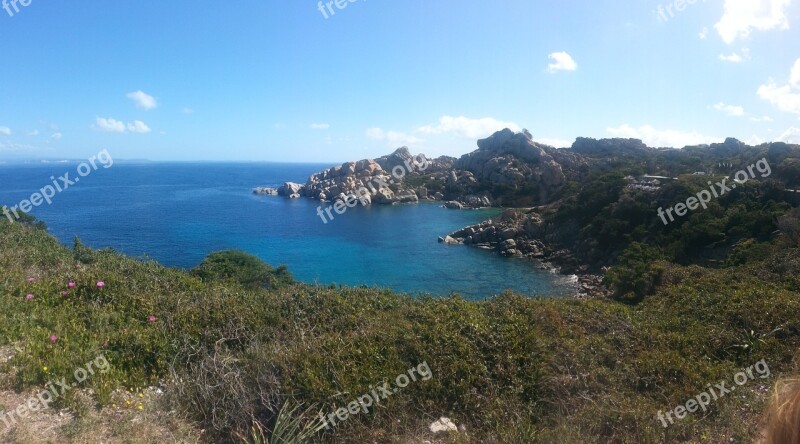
<point x="71" y="284"/>
<point x="53" y="338"/>
<point x="141" y="395"/>
<point x="44" y="369"/>
<point x="31" y="280"/>
<point x="65" y="293"/>
<point x="140" y="407"/>
<point x="151" y="319"/>
<point x="101" y="284"/>
<point x="29" y="297"/>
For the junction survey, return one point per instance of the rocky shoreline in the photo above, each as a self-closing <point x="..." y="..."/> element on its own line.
<point x="518" y="233"/>
<point x="507" y="170"/>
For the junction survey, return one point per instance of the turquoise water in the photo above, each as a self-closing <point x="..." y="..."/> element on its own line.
<point x="177" y="213"/>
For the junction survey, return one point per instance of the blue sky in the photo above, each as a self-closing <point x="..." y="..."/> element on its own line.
<point x="277" y="80"/>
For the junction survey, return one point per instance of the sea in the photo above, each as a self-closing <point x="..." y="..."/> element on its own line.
<point x="178" y="213"/>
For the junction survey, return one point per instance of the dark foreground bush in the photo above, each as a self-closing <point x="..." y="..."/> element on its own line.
<point x="243" y="268"/>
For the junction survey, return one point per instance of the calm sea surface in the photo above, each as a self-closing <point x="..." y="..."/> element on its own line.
<point x="177" y="213"/>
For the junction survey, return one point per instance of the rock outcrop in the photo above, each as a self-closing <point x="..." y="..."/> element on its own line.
<point x="518" y="233"/>
<point x="264" y="191"/>
<point x="379" y="181"/>
<point x="512" y="160"/>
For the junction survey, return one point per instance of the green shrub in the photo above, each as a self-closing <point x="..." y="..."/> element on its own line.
<point x="243" y="268"/>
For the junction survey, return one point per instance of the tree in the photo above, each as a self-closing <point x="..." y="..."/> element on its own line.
<point x="244" y="268"/>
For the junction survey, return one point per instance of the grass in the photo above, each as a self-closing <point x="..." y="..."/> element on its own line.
<point x="509" y="369"/>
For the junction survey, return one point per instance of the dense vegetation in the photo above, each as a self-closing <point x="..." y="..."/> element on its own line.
<point x="239" y="347"/>
<point x="510" y="369"/>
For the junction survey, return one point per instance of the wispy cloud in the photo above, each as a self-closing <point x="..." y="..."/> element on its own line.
<point x="392" y="138"/>
<point x="562" y="61"/>
<point x="319" y="126"/>
<point x="109" y="125"/>
<point x="662" y="138"/>
<point x="468" y="128"/>
<point x="138" y="127"/>
<point x="785" y="97"/>
<point x="791" y="135"/>
<point x="143" y="100"/>
<point x="731" y="110"/>
<point x="4" y="130"/>
<point x="736" y="57"/>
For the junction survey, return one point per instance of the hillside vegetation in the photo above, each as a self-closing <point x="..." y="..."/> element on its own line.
<point x="230" y="354"/>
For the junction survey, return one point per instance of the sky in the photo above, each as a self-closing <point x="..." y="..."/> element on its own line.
<point x="307" y="81"/>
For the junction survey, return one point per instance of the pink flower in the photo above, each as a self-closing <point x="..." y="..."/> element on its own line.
<point x="151" y="319"/>
<point x="31" y="280"/>
<point x="101" y="284"/>
<point x="53" y="338"/>
<point x="65" y="293"/>
<point x="29" y="297"/>
<point x="71" y="285"/>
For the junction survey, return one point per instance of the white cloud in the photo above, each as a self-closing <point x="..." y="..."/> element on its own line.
<point x="731" y="110"/>
<point x="791" y="135"/>
<point x="138" y="127"/>
<point x="115" y="126"/>
<point x="703" y="34"/>
<point x="662" y="138"/>
<point x="375" y="134"/>
<point x="319" y="126"/>
<point x="561" y="62"/>
<point x="754" y="140"/>
<point x="786" y="97"/>
<point x="109" y="125"/>
<point x="741" y="17"/>
<point x="761" y="119"/>
<point x="143" y="100"/>
<point x="56" y="136"/>
<point x="735" y="57"/>
<point x="33" y="133"/>
<point x="4" y="130"/>
<point x="468" y="128"/>
<point x="392" y="138"/>
<point x="558" y="143"/>
<point x="17" y="147"/>
<point x="794" y="77"/>
<point x="781" y="96"/>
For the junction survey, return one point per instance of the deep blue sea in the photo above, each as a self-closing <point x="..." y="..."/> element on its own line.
<point x="177" y="213"/>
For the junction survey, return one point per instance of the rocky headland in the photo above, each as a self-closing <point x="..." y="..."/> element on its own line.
<point x="506" y="169"/>
<point x="534" y="181"/>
